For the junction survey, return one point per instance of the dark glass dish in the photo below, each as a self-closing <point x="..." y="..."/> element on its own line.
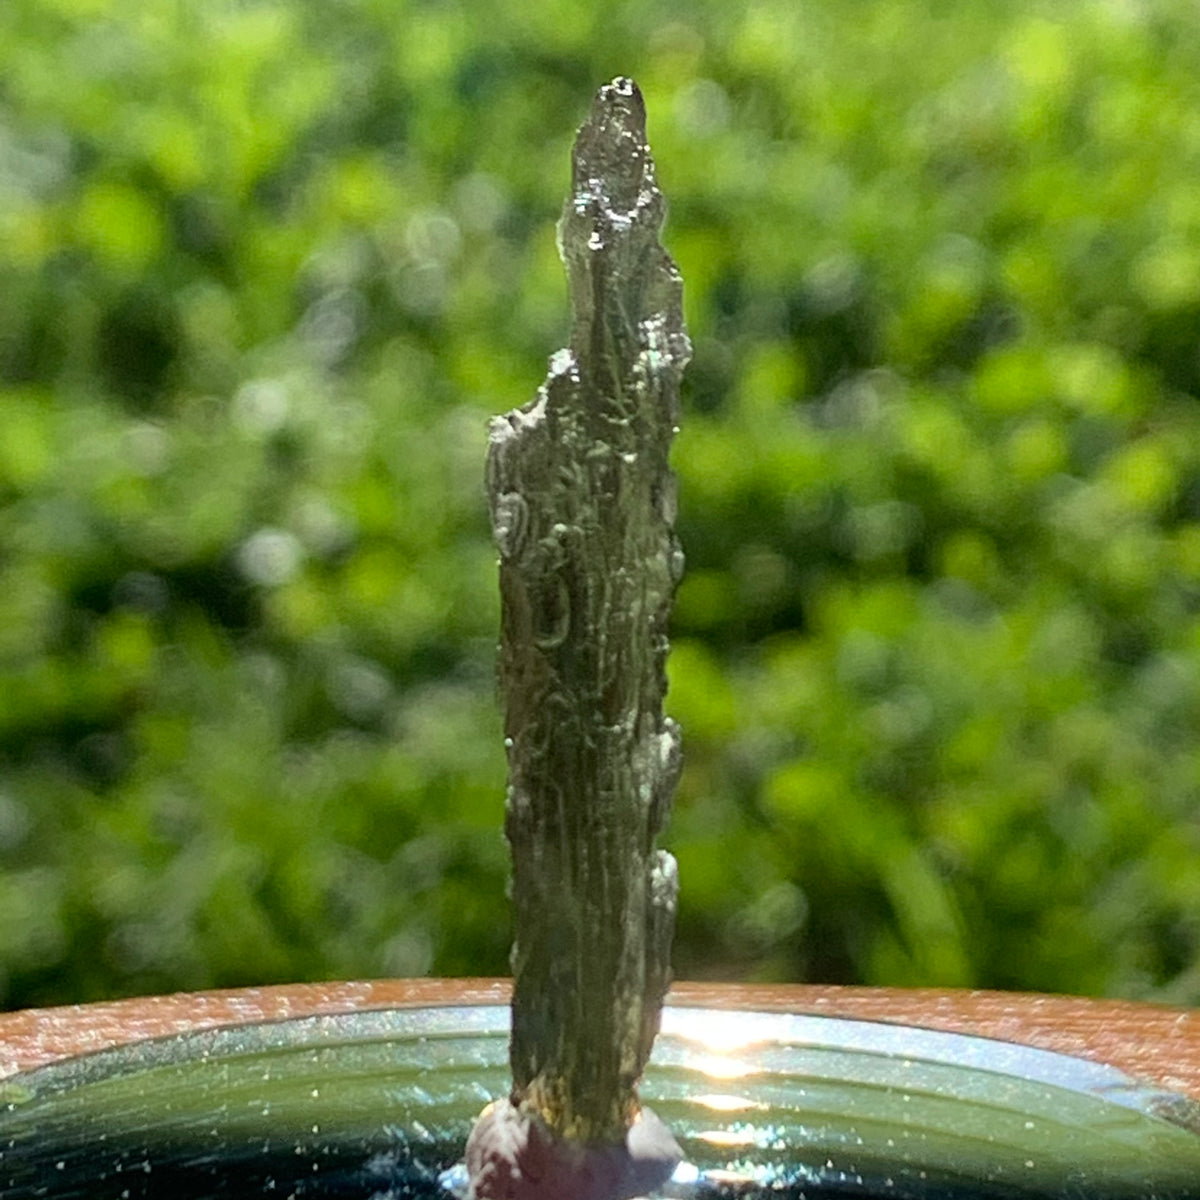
<point x="378" y="1105"/>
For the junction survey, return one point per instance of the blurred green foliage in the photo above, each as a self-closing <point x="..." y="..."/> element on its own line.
<point x="265" y="268"/>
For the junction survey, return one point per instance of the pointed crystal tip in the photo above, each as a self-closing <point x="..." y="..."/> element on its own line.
<point x="623" y="97"/>
<point x="611" y="157"/>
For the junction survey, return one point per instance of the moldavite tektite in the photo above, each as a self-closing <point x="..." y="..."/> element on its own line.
<point x="583" y="504"/>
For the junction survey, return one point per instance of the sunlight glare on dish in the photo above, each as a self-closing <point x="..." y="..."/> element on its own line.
<point x="720" y="1032"/>
<point x="723" y="1102"/>
<point x="717" y="1066"/>
<point x="734" y="1179"/>
<point x="745" y="1135"/>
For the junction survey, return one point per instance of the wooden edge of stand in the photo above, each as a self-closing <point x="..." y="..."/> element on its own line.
<point x="1160" y="1046"/>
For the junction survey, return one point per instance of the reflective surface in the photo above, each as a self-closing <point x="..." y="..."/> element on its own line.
<point x="378" y="1104"/>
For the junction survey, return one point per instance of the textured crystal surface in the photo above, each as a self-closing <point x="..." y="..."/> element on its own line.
<point x="582" y="505"/>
